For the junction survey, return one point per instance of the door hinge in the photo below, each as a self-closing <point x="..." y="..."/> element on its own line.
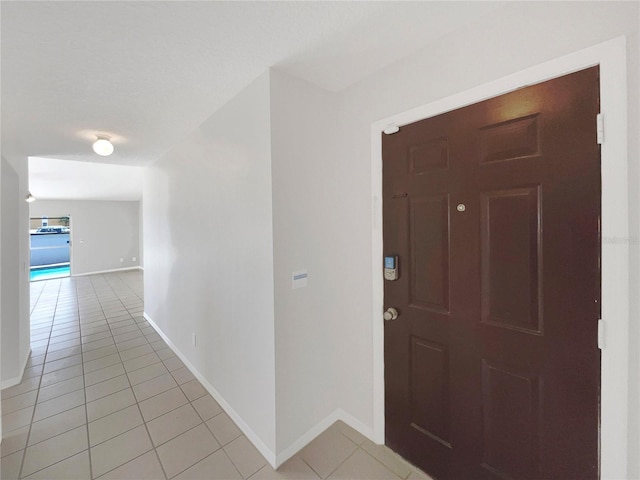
<point x="601" y="335"/>
<point x="600" y="128"/>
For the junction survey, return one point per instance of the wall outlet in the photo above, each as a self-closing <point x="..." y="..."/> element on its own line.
<point x="193" y="339"/>
<point x="133" y="259"/>
<point x="121" y="260"/>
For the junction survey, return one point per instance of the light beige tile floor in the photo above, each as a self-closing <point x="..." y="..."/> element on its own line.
<point x="104" y="397"/>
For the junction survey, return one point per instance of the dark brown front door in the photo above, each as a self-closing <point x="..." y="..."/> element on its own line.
<point x="492" y="368"/>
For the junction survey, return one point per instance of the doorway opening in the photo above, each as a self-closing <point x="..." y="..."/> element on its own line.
<point x="50" y="247"/>
<point x="492" y="353"/>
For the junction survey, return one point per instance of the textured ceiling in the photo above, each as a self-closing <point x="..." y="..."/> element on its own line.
<point x="148" y="73"/>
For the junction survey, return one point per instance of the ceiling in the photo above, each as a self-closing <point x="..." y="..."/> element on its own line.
<point x="148" y="73"/>
<point x="71" y="180"/>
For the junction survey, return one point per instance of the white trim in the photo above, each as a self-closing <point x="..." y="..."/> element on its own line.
<point x="106" y="271"/>
<point x="249" y="433"/>
<point x="12" y="382"/>
<point x="611" y="56"/>
<point x="274" y="460"/>
<point x="317" y="429"/>
<point x="71" y="242"/>
<point x="307" y="438"/>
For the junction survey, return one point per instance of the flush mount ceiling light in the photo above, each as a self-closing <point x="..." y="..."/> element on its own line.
<point x="103" y="146"/>
<point x="30" y="198"/>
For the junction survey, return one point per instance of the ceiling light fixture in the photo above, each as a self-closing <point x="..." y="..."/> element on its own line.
<point x="103" y="146"/>
<point x="30" y="198"/>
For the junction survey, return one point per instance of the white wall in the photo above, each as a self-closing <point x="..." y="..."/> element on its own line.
<point x="141" y="233"/>
<point x="305" y="170"/>
<point x="523" y="35"/>
<point x="102" y="232"/>
<point x="10" y="312"/>
<point x="209" y="256"/>
<point x="14" y="255"/>
<point x="2" y="160"/>
<point x="322" y="219"/>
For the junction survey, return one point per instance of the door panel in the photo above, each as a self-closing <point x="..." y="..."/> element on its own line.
<point x="511" y="263"/>
<point x="429" y="156"/>
<point x="430" y="389"/>
<point x="492" y="368"/>
<point x="429" y="236"/>
<point x="510" y="140"/>
<point x="511" y="421"/>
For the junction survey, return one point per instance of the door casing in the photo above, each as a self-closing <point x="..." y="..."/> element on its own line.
<point x="611" y="57"/>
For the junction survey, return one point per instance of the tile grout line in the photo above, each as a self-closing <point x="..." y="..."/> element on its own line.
<point x="222" y="446"/>
<point x="32" y="308"/>
<point x="204" y="422"/>
<point x="73" y="296"/>
<point x="360" y="447"/>
<point x="35" y="405"/>
<point x="313" y="469"/>
<point x="332" y="472"/>
<point x="381" y="463"/>
<point x="139" y="411"/>
<point x="84" y="383"/>
<point x="96" y="298"/>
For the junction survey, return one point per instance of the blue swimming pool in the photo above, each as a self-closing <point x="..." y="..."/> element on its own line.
<point x="47" y="273"/>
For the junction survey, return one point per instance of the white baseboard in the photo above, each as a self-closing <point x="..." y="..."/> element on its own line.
<point x="106" y="271"/>
<point x="307" y="437"/>
<point x="12" y="382"/>
<point x="266" y="452"/>
<point x="317" y="429"/>
<point x="358" y="426"/>
<point x="274" y="459"/>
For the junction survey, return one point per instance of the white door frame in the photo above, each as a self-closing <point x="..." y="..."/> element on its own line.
<point x="611" y="56"/>
<point x="70" y="244"/>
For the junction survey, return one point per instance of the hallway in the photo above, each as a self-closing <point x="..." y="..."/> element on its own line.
<point x="104" y="397"/>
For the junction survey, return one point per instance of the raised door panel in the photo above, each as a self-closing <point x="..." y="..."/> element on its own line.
<point x="429" y="390"/>
<point x="429" y="253"/>
<point x="511" y="259"/>
<point x="512" y="414"/>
